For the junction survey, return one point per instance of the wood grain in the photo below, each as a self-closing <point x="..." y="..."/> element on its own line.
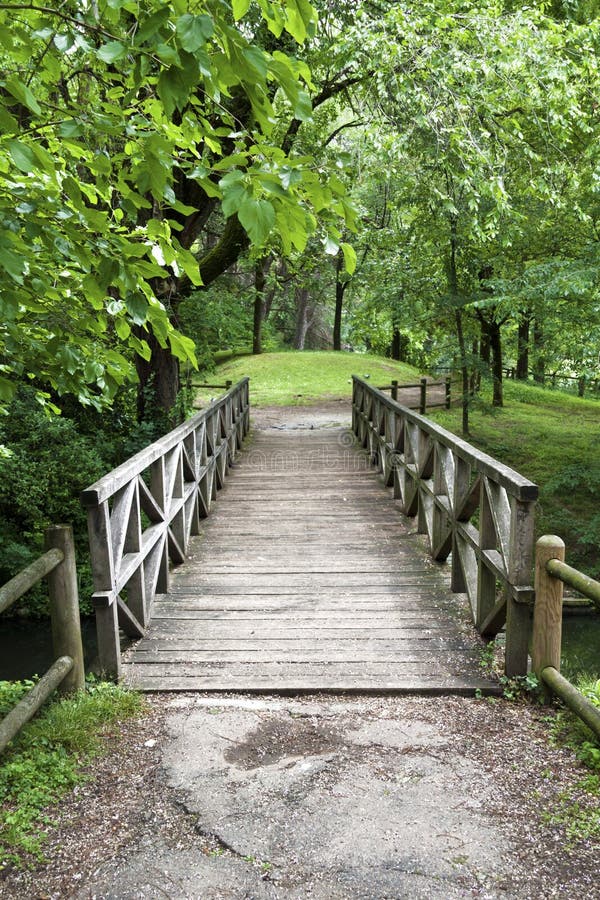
<point x="307" y="577"/>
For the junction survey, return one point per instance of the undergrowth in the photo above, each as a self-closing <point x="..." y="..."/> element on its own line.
<point x="577" y="810"/>
<point x="48" y="758"/>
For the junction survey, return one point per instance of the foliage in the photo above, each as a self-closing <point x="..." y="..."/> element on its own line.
<point x="50" y="463"/>
<point x="125" y="125"/>
<point x="579" y="813"/>
<point x="47" y="759"/>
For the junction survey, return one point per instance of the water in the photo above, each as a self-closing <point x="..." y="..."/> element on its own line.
<point x="581" y="645"/>
<point x="26" y="647"/>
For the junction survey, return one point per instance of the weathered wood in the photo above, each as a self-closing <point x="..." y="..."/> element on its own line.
<point x="14" y="589"/>
<point x="27" y="707"/>
<point x="575" y="579"/>
<point x="64" y="606"/>
<point x="547" y="613"/>
<point x="576" y="702"/>
<point x="173" y="482"/>
<point x="444" y="481"/>
<point x="314" y="582"/>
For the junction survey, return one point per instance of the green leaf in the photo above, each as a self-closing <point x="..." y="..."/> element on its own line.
<point x="23" y="94"/>
<point x="258" y="219"/>
<point x="137" y="307"/>
<point x="8" y="123"/>
<point x="194" y="31"/>
<point x="7" y="389"/>
<point x="349" y="258"/>
<point x="111" y="52"/>
<point x="240" y="8"/>
<point x="22" y="156"/>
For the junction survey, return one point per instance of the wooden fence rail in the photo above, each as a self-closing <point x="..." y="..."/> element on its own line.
<point x="67" y="672"/>
<point x="424" y="384"/>
<point x="142" y="514"/>
<point x="551" y="572"/>
<point x="469" y="505"/>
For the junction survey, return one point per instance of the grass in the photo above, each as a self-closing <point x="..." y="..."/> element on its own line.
<point x="47" y="759"/>
<point x="301" y="378"/>
<point x="552" y="438"/>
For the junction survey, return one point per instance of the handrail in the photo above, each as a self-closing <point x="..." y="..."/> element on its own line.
<point x="444" y="482"/>
<point x="67" y="672"/>
<point x="551" y="572"/>
<point x="142" y="514"/>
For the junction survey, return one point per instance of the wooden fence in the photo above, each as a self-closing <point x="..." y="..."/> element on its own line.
<point x="424" y="386"/>
<point x="551" y="573"/>
<point x="142" y="514"/>
<point x="467" y="503"/>
<point x="67" y="672"/>
<point x="582" y="383"/>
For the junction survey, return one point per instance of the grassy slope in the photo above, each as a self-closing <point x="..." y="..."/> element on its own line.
<point x="550" y="437"/>
<point x="296" y="379"/>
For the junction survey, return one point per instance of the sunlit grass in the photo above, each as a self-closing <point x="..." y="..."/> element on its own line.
<point x="297" y="379"/>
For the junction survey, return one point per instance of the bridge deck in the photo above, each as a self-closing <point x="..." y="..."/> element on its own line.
<point x="307" y="578"/>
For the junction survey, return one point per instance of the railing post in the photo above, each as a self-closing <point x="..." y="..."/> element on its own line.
<point x="64" y="607"/>
<point x="423" y="401"/>
<point x="448" y="391"/>
<point x="547" y="613"/>
<point x="394" y="389"/>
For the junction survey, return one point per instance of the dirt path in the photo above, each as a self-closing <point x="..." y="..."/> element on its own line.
<point x="321" y="797"/>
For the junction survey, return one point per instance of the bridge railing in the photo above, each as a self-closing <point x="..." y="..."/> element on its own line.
<point x="551" y="573"/>
<point x="67" y="671"/>
<point x="142" y="514"/>
<point x="469" y="505"/>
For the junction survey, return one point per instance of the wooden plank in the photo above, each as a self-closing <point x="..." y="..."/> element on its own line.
<point x="306" y="579"/>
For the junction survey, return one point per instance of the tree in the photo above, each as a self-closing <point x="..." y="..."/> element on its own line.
<point x="128" y="130"/>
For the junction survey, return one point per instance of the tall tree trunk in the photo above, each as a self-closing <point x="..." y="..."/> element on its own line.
<point x="302" y="318"/>
<point x="340" y="290"/>
<point x="523" y="347"/>
<point x="496" y="346"/>
<point x="453" y="284"/>
<point x="539" y="363"/>
<point x="485" y="344"/>
<point x="159" y="382"/>
<point x="259" y="293"/>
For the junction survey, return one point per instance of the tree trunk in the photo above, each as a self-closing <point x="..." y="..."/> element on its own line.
<point x="453" y="285"/>
<point x="539" y="362"/>
<point x="259" y="293"/>
<point x="485" y="344"/>
<point x="302" y="318"/>
<point x="523" y="347"/>
<point x="159" y="382"/>
<point x="496" y="347"/>
<point x="340" y="289"/>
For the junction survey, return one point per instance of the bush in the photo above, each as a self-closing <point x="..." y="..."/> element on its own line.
<point x="48" y="465"/>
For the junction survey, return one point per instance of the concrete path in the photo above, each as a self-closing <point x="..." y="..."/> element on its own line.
<point x="320" y="798"/>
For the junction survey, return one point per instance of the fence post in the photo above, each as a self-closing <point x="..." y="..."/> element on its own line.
<point x="547" y="612"/>
<point x="64" y="606"/>
<point x="394" y="390"/>
<point x="581" y="386"/>
<point x="448" y="391"/>
<point x="423" y="402"/>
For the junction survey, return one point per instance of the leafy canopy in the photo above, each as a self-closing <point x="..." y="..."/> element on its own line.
<point x="104" y="108"/>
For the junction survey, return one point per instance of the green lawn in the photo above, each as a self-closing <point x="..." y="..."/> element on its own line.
<point x="301" y="378"/>
<point x="553" y="439"/>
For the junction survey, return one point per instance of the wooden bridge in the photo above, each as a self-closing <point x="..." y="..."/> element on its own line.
<point x="321" y="566"/>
